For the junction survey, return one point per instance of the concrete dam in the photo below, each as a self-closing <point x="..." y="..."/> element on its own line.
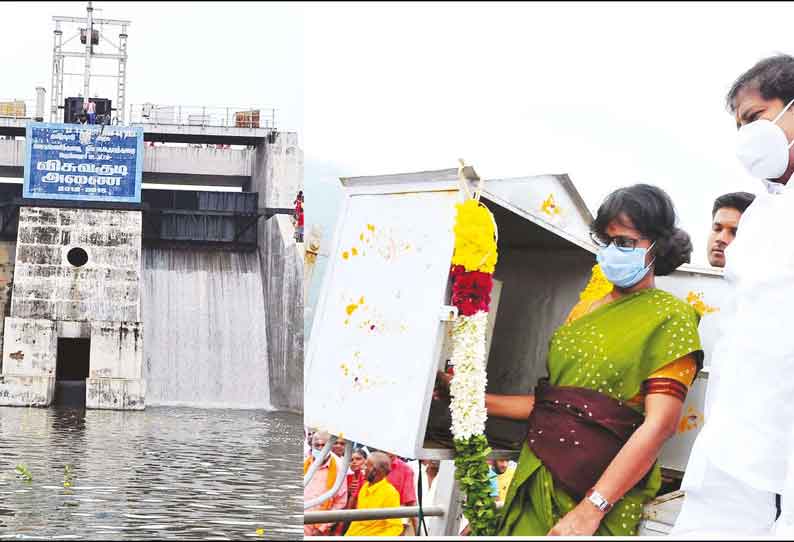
<point x="151" y="308"/>
<point x="191" y="298"/>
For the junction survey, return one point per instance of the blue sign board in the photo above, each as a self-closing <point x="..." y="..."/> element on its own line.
<point x="83" y="162"/>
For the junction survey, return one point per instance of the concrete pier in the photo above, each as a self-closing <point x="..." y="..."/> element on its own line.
<point x="277" y="176"/>
<point x="57" y="297"/>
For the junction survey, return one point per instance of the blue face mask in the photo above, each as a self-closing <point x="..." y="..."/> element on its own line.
<point x="317" y="454"/>
<point x="623" y="268"/>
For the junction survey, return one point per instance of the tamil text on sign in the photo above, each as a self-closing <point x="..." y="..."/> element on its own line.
<point x="83" y="162"/>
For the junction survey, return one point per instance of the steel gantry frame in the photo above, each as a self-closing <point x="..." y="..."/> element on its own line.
<point x="59" y="55"/>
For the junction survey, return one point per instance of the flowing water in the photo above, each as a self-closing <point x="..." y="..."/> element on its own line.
<point x="204" y="340"/>
<point x="161" y="473"/>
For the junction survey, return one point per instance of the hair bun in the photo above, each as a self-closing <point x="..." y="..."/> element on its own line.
<point x="672" y="251"/>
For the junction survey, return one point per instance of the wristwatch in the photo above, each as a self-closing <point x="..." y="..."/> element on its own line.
<point x="598" y="500"/>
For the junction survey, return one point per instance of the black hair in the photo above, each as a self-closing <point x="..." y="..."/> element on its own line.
<point x="773" y="77"/>
<point x="734" y="200"/>
<point x="652" y="213"/>
<point x="361" y="451"/>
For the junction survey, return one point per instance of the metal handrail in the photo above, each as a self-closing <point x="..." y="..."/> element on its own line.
<point x="366" y="514"/>
<point x="226" y="116"/>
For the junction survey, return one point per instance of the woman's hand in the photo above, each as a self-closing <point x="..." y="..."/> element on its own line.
<point x="514" y="407"/>
<point x="581" y="521"/>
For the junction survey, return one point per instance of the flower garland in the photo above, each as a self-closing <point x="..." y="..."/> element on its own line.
<point x="471" y="291"/>
<point x="475" y="232"/>
<point x="473" y="263"/>
<point x="598" y="287"/>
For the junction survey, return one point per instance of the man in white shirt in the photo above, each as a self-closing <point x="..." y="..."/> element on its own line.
<point x="743" y="455"/>
<point x="429" y="475"/>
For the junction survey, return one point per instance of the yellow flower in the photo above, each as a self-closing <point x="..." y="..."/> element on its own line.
<point x="549" y="207"/>
<point x="260" y="532"/>
<point x="700" y="306"/>
<point x="475" y="238"/>
<point x="692" y="420"/>
<point x="598" y="286"/>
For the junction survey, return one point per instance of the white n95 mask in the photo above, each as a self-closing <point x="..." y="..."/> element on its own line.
<point x="762" y="147"/>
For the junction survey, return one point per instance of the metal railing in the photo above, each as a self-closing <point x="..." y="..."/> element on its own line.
<point x="366" y="514"/>
<point x="206" y="116"/>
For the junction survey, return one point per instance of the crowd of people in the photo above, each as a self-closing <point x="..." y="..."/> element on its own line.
<point x="374" y="479"/>
<point x="621" y="365"/>
<point x="377" y="479"/>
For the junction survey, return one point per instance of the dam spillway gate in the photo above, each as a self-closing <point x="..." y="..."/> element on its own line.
<point x="74" y="277"/>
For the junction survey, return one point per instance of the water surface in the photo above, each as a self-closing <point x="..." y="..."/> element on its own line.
<point x="161" y="473"/>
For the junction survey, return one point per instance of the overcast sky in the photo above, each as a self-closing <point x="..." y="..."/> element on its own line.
<point x="610" y="93"/>
<point x="180" y="53"/>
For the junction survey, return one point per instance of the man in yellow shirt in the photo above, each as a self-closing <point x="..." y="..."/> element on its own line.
<point x="377" y="492"/>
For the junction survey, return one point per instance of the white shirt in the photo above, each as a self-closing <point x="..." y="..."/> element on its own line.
<point x="428" y="492"/>
<point x="709" y="332"/>
<point x="748" y="429"/>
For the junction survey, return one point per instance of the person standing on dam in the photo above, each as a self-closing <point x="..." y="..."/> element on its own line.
<point x="91" y="112"/>
<point x="298" y="218"/>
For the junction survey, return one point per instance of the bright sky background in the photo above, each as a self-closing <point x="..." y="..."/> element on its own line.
<point x="610" y="93"/>
<point x="180" y="53"/>
<point x="213" y="54"/>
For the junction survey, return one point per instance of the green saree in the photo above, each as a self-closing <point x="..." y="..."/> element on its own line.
<point x="611" y="350"/>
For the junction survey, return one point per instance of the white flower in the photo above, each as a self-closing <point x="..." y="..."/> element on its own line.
<point x="467" y="389"/>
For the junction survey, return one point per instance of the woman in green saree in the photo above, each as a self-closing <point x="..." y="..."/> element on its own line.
<point x="619" y="370"/>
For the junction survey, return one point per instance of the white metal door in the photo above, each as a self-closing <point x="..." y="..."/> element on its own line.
<point x="376" y="335"/>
